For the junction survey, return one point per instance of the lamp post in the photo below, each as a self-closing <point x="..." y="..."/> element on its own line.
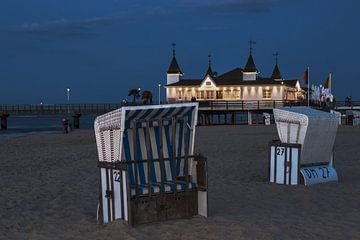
<point x="68" y="99"/>
<point x="159" y="85"/>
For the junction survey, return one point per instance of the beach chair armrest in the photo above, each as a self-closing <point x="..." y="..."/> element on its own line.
<point x="201" y="171"/>
<point x="113" y="165"/>
<point x="184" y="178"/>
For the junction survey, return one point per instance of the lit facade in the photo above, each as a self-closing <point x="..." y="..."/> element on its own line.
<point x="235" y="85"/>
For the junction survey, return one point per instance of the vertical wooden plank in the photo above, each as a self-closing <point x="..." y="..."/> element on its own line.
<point x="136" y="170"/>
<point x="100" y="199"/>
<point x="173" y="131"/>
<point x="113" y="195"/>
<point x="161" y="156"/>
<point x="186" y="157"/>
<point x="122" y="195"/>
<point x="147" y="143"/>
<point x="108" y="196"/>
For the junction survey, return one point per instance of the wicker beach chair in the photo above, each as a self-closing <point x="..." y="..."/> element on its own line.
<point x="148" y="172"/>
<point x="305" y="151"/>
<point x="353" y="117"/>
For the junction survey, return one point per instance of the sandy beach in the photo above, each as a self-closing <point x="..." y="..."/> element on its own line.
<point x="48" y="190"/>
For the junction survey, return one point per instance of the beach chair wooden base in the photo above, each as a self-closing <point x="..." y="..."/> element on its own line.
<point x="164" y="207"/>
<point x="115" y="203"/>
<point x="285" y="167"/>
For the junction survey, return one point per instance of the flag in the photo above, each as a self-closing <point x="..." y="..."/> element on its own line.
<point x="306" y="76"/>
<point x="327" y="84"/>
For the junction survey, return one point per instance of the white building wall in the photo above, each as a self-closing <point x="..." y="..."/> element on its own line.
<point x="249" y="76"/>
<point x="172" y="78"/>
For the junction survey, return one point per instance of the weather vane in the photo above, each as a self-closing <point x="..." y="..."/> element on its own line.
<point x="209" y="56"/>
<point x="276" y="55"/>
<point x="251" y="45"/>
<point x="174" y="45"/>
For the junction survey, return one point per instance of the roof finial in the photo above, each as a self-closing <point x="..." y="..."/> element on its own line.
<point x="276" y="55"/>
<point x="173" y="45"/>
<point x="209" y="56"/>
<point x="251" y="45"/>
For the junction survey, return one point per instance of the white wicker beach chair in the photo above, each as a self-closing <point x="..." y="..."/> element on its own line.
<point x="353" y="117"/>
<point x="148" y="172"/>
<point x="307" y="138"/>
<point x="337" y="114"/>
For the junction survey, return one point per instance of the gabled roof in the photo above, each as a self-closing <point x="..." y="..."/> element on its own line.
<point x="234" y="78"/>
<point x="236" y="73"/>
<point x="276" y="73"/>
<point x="250" y="65"/>
<point x="174" y="67"/>
<point x="186" y="83"/>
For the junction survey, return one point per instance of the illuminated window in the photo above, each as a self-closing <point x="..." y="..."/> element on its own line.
<point x="208" y="83"/>
<point x="266" y="94"/>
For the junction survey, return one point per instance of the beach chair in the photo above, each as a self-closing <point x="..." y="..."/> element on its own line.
<point x="337" y="114"/>
<point x="267" y="118"/>
<point x="353" y="117"/>
<point x="304" y="154"/>
<point x="147" y="168"/>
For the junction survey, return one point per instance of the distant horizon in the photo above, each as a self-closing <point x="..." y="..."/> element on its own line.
<point x="102" y="48"/>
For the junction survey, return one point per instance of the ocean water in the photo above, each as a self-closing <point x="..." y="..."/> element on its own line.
<point x="19" y="126"/>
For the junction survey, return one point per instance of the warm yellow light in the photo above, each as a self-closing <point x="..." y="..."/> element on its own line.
<point x="249" y="73"/>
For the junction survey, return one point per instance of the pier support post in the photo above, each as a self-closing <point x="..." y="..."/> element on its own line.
<point x="3" y="123"/>
<point x="76" y="120"/>
<point x="249" y="118"/>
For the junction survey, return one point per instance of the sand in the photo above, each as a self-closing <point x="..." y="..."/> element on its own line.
<point x="48" y="190"/>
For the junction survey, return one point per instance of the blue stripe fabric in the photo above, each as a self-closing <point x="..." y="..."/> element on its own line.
<point x="128" y="156"/>
<point x="181" y="129"/>
<point x="169" y="112"/>
<point x="161" y="163"/>
<point x="139" y="157"/>
<point x="160" y="110"/>
<point x="169" y="151"/>
<point x="152" y="167"/>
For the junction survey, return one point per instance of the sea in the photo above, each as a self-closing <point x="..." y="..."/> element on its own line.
<point x="19" y="126"/>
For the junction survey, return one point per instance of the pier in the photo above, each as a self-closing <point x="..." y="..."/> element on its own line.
<point x="210" y="112"/>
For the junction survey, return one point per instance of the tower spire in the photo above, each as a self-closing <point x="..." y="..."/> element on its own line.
<point x="174" y="66"/>
<point x="276" y="74"/>
<point x="209" y="70"/>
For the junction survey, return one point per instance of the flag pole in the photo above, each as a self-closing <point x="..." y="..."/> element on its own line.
<point x="330" y="82"/>
<point x="308" y="82"/>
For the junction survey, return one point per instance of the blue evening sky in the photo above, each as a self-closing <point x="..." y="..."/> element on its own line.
<point x="102" y="48"/>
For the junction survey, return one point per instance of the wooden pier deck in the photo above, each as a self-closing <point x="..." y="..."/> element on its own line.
<point x="207" y="109"/>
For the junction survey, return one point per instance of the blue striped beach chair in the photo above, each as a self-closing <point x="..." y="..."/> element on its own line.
<point x="147" y="168"/>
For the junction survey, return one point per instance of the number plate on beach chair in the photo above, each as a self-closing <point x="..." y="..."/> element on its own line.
<point x="284" y="163"/>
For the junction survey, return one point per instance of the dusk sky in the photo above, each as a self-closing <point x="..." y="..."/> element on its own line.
<point x="102" y="48"/>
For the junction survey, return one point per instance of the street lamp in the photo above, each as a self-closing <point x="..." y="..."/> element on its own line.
<point x="159" y="85"/>
<point x="68" y="99"/>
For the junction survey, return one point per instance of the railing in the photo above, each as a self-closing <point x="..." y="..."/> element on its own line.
<point x="52" y="109"/>
<point x="247" y="105"/>
<point x="347" y="105"/>
<point x="57" y="108"/>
